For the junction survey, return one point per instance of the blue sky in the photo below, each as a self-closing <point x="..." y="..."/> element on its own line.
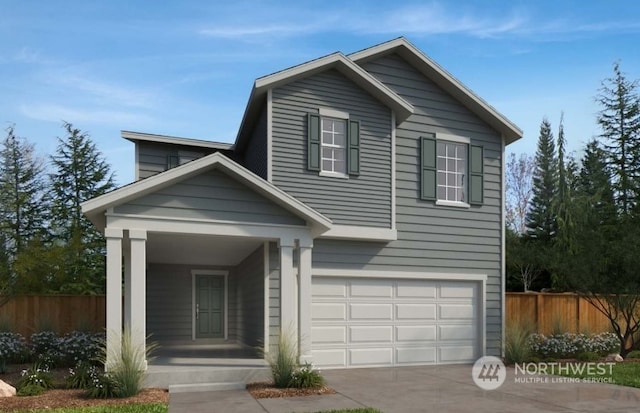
<point x="186" y="68"/>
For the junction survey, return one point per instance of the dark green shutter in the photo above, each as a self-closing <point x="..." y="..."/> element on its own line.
<point x="476" y="174"/>
<point x="428" y="168"/>
<point x="353" y="161"/>
<point x="313" y="145"/>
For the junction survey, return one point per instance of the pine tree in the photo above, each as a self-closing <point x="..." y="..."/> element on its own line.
<point x="22" y="194"/>
<point x="80" y="173"/>
<point x="619" y="120"/>
<point x="594" y="183"/>
<point x="541" y="220"/>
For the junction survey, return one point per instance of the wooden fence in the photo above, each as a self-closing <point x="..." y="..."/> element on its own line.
<point x="26" y="314"/>
<point x="549" y="312"/>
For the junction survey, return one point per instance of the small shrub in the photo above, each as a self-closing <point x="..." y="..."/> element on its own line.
<point x="47" y="348"/>
<point x="568" y="345"/>
<point x="306" y="377"/>
<point x="588" y="356"/>
<point x="80" y="347"/>
<point x="103" y="386"/>
<point x="81" y="376"/>
<point x="283" y="361"/>
<point x="517" y="348"/>
<point x="635" y="354"/>
<point x="13" y="348"/>
<point x="37" y="375"/>
<point x="30" y="390"/>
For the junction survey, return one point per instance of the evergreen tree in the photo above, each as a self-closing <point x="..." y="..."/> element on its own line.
<point x="541" y="220"/>
<point x="22" y="194"/>
<point x="80" y="173"/>
<point x="619" y="120"/>
<point x="594" y="184"/>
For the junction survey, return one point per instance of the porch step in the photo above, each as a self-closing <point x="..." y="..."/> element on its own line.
<point x="188" y="388"/>
<point x="165" y="377"/>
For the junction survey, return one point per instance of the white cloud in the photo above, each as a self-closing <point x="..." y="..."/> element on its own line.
<point x="52" y="112"/>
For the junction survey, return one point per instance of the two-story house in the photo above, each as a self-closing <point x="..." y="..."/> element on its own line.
<point x="360" y="209"/>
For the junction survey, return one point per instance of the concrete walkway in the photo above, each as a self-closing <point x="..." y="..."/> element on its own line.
<point x="424" y="389"/>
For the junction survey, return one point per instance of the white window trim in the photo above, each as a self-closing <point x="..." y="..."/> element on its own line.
<point x="445" y="137"/>
<point x="336" y="114"/>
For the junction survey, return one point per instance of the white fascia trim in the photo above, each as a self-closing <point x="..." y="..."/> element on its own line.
<point x="361" y="233"/>
<point x="270" y="135"/>
<point x="452" y="138"/>
<point x="442" y="77"/>
<point x="225" y="274"/>
<point x="393" y="170"/>
<point x="331" y="272"/>
<point x="97" y="206"/>
<point x="175" y="140"/>
<point x="332" y="113"/>
<point x="208" y="227"/>
<point x="350" y="69"/>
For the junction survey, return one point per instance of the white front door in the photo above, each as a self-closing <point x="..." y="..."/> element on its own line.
<point x="366" y="322"/>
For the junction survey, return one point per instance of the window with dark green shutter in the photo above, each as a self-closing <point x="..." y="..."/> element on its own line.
<point x="333" y="145"/>
<point x="452" y="171"/>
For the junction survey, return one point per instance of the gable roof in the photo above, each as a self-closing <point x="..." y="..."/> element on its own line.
<point x="337" y="61"/>
<point x="174" y="140"/>
<point x="95" y="208"/>
<point x="416" y="58"/>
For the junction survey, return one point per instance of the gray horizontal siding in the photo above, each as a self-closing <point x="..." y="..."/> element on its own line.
<point x="274" y="293"/>
<point x="363" y="200"/>
<point x="433" y="238"/>
<point x="211" y="195"/>
<point x="249" y="278"/>
<point x="169" y="302"/>
<point x="255" y="156"/>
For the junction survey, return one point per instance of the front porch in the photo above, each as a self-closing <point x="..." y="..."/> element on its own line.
<point x="205" y="367"/>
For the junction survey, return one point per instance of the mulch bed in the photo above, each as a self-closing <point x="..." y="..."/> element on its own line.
<point x="265" y="390"/>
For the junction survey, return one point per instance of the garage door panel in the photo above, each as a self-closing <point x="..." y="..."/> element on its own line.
<point x="371" y="356"/>
<point x="416" y="355"/>
<point x="366" y="322"/>
<point x="329" y="288"/>
<point x="329" y="311"/>
<point x="329" y="335"/>
<point x="363" y="288"/>
<point x="415" y="333"/>
<point x="417" y="288"/>
<point x="459" y="354"/>
<point x="330" y="357"/>
<point x="360" y="311"/>
<point x="416" y="311"/>
<point x="369" y="334"/>
<point x="457" y="290"/>
<point x="456" y="312"/>
<point x="457" y="332"/>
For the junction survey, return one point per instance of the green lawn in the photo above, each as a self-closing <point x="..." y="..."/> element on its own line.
<point x="624" y="374"/>
<point x="132" y="408"/>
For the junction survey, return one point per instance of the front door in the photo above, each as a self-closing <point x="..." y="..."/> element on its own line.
<point x="209" y="306"/>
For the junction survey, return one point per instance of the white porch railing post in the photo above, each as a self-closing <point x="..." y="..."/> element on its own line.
<point x="114" y="293"/>
<point x="288" y="320"/>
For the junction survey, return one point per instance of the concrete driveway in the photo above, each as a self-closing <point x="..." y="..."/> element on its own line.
<point x="424" y="389"/>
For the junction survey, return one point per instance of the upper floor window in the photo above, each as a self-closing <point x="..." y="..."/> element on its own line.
<point x="334" y="145"/>
<point x="452" y="170"/>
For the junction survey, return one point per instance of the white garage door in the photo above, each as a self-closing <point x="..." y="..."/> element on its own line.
<point x="366" y="322"/>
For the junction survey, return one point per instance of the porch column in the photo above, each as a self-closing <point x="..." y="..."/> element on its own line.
<point x="304" y="300"/>
<point x="128" y="298"/>
<point x="114" y="293"/>
<point x="288" y="322"/>
<point x="138" y="239"/>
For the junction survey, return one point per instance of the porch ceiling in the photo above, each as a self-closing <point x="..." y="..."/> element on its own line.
<point x="198" y="249"/>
